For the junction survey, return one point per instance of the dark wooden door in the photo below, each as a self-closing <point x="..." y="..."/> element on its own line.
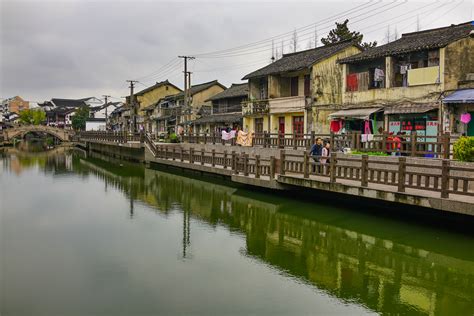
<point x="281" y="125"/>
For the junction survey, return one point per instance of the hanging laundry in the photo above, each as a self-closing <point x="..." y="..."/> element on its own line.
<point x="379" y="76"/>
<point x="228" y="135"/>
<point x="367" y="127"/>
<point x="352" y="82"/>
<point x="244" y="139"/>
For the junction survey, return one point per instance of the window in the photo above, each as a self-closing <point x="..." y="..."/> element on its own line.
<point x="307" y="85"/>
<point x="294" y="86"/>
<point x="298" y="125"/>
<point x="259" y="125"/>
<point x="263" y="89"/>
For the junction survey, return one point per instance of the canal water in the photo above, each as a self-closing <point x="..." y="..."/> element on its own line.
<point x="86" y="235"/>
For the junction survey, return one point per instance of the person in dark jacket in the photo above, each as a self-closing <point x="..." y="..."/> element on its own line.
<point x="316" y="151"/>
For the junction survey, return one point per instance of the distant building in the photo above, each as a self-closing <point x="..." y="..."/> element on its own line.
<point x="226" y="110"/>
<point x="59" y="112"/>
<point x="15" y="104"/>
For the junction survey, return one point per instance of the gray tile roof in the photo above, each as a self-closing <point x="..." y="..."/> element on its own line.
<point x="235" y="90"/>
<point x="200" y="87"/>
<point x="416" y="41"/>
<point x="68" y="102"/>
<point x="156" y="85"/>
<point x="220" y="118"/>
<point x="300" y="60"/>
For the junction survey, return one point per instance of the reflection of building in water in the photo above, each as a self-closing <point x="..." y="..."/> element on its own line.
<point x="349" y="260"/>
<point x="56" y="161"/>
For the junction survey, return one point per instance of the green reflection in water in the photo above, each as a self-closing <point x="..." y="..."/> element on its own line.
<point x="388" y="266"/>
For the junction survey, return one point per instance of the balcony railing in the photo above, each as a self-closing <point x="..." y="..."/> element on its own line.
<point x="287" y="104"/>
<point x="255" y="107"/>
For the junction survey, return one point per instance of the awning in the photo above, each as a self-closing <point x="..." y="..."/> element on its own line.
<point x="220" y="118"/>
<point x="410" y="108"/>
<point x="360" y="113"/>
<point x="460" y="96"/>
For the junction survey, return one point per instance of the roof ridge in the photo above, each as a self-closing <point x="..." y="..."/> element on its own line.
<point x="200" y="84"/>
<point x="437" y="29"/>
<point x="319" y="47"/>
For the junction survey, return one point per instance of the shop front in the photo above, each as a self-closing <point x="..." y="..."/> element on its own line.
<point x="458" y="115"/>
<point x="409" y="118"/>
<point x="367" y="121"/>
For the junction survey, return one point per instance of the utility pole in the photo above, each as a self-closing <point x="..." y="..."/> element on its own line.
<point x="186" y="79"/>
<point x="106" y="106"/>
<point x="132" y="106"/>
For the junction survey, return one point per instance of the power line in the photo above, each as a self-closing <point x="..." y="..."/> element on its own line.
<point x="359" y="7"/>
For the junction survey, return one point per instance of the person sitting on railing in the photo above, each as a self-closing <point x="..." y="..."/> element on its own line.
<point x="316" y="151"/>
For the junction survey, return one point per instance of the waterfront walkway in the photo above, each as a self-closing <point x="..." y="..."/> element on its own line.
<point x="439" y="184"/>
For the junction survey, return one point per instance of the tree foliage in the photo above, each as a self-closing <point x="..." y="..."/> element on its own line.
<point x="341" y="33"/>
<point x="32" y="116"/>
<point x="464" y="149"/>
<point x="79" y="118"/>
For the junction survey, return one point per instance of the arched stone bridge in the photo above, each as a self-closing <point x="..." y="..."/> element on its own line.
<point x="64" y="135"/>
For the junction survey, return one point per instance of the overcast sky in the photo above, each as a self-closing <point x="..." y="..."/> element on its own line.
<point x="74" y="49"/>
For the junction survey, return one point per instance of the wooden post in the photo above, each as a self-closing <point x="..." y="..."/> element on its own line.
<point x="202" y="155"/>
<point x="295" y="145"/>
<point x="191" y="155"/>
<point x="225" y="159"/>
<point x="272" y="167"/>
<point x="174" y="153"/>
<point x="402" y="166"/>
<point x="364" y="181"/>
<point x="282" y="162"/>
<point x="413" y="144"/>
<point x="205" y="138"/>
<point x="332" y="168"/>
<point x="331" y="140"/>
<point x="353" y="141"/>
<point x="213" y="158"/>
<point x="233" y="163"/>
<point x="358" y="140"/>
<point x="313" y="139"/>
<point x="446" y="146"/>
<point x="445" y="178"/>
<point x="257" y="166"/>
<point x="181" y="155"/>
<point x="166" y="152"/>
<point x="213" y="138"/>
<point x="305" y="165"/>
<point x="265" y="139"/>
<point x="246" y="164"/>
<point x="384" y="142"/>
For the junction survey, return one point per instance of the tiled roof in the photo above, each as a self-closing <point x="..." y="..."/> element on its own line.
<point x="68" y="102"/>
<point x="156" y="85"/>
<point x="300" y="60"/>
<point x="200" y="87"/>
<point x="220" y="118"/>
<point x="416" y="41"/>
<point x="235" y="90"/>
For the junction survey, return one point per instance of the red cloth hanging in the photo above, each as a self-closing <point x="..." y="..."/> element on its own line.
<point x="336" y="126"/>
<point x="352" y="82"/>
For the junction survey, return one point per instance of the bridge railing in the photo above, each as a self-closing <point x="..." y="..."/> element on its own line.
<point x="114" y="137"/>
<point x="398" y="174"/>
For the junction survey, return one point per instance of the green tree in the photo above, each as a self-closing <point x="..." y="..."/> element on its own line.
<point x="79" y="118"/>
<point x="341" y="33"/>
<point x="32" y="116"/>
